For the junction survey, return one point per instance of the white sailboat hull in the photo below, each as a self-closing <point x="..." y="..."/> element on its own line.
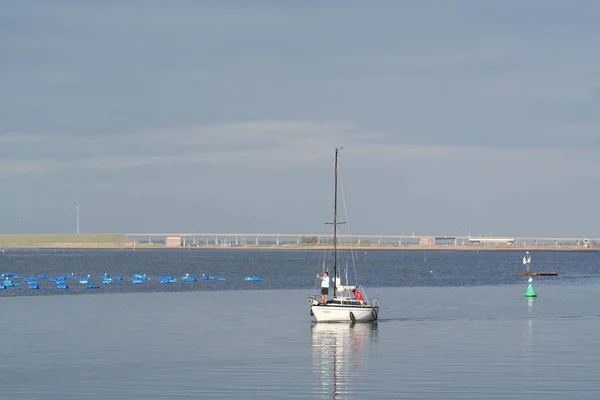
<point x="344" y="313"/>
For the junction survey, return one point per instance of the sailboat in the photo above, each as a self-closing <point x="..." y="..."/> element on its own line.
<point x="345" y="305"/>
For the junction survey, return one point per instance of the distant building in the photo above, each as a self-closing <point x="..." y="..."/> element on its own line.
<point x="427" y="241"/>
<point x="492" y="241"/>
<point x="173" y="241"/>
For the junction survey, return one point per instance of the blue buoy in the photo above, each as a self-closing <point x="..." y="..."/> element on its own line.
<point x="204" y="277"/>
<point x="42" y="277"/>
<point x="29" y="280"/>
<point x="107" y="280"/>
<point x="136" y="280"/>
<point x="253" y="278"/>
<point x="16" y="276"/>
<point x="118" y="278"/>
<point x="84" y="280"/>
<point x="191" y="279"/>
<point x="221" y="278"/>
<point x="34" y="286"/>
<point x="62" y="286"/>
<point x="92" y="286"/>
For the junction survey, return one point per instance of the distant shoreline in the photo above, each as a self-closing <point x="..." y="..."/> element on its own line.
<point x="421" y="248"/>
<point x="125" y="242"/>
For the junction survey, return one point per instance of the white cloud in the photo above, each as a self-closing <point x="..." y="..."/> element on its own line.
<point x="252" y="142"/>
<point x="275" y="144"/>
<point x="16" y="168"/>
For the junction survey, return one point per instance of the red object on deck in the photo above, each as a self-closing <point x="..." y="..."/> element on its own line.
<point x="358" y="296"/>
<point x="541" y="273"/>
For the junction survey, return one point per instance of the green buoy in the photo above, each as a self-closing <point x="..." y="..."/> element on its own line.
<point x="530" y="292"/>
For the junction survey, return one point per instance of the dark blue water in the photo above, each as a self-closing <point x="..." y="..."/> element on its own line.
<point x="455" y="327"/>
<point x="284" y="269"/>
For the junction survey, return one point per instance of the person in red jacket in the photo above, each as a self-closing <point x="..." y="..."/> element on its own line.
<point x="358" y="295"/>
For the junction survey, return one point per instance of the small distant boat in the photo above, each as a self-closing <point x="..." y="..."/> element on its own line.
<point x="527" y="263"/>
<point x="92" y="286"/>
<point x="168" y="279"/>
<point x="253" y="278"/>
<point x="540" y="273"/>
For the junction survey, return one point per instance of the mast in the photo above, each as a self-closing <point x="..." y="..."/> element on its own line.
<point x="335" y="187"/>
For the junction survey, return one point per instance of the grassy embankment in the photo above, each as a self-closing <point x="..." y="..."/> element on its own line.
<point x="64" y="241"/>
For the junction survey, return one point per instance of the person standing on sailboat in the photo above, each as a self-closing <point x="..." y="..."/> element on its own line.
<point x="324" y="286"/>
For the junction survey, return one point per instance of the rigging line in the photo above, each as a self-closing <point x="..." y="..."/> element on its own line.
<point x="344" y="202"/>
<point x="335" y="202"/>
<point x="325" y="252"/>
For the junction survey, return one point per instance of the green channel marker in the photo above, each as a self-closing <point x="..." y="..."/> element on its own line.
<point x="530" y="292"/>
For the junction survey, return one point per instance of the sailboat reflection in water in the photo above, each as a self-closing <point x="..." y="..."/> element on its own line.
<point x="339" y="352"/>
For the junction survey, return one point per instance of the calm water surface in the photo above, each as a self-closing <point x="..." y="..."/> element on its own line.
<point x="463" y="330"/>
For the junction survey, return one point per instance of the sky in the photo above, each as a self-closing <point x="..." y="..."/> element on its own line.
<point x="222" y="116"/>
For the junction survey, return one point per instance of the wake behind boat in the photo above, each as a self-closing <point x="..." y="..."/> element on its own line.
<point x="349" y="303"/>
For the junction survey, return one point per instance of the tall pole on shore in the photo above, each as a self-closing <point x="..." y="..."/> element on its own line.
<point x="78" y="220"/>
